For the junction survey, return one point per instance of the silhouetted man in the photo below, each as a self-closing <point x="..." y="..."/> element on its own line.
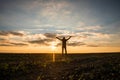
<point x="64" y="44"/>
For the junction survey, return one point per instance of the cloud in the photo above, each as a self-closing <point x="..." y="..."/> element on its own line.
<point x="13" y="44"/>
<point x="94" y="35"/>
<point x="41" y="41"/>
<point x="93" y="45"/>
<point x="88" y="28"/>
<point x="76" y="44"/>
<point x="12" y="38"/>
<point x="88" y="39"/>
<point x="54" y="9"/>
<point x="2" y="39"/>
<point x="19" y="44"/>
<point x="22" y="38"/>
<point x="6" y="33"/>
<point x="5" y="45"/>
<point x="50" y="35"/>
<point x="63" y="31"/>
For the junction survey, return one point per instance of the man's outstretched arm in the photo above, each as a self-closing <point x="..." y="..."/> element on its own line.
<point x="69" y="38"/>
<point x="58" y="38"/>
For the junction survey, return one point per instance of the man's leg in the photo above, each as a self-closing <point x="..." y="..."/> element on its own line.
<point x="62" y="50"/>
<point x="65" y="51"/>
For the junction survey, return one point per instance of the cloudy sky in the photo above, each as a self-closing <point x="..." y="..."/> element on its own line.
<point x="32" y="25"/>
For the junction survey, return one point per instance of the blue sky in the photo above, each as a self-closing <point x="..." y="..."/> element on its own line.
<point x="28" y="14"/>
<point x="99" y="20"/>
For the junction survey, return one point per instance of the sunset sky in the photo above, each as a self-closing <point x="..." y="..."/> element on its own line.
<point x="32" y="25"/>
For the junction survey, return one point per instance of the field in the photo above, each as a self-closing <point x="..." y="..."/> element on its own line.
<point x="104" y="66"/>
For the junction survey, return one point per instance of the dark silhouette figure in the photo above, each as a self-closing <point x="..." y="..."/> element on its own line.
<point x="64" y="44"/>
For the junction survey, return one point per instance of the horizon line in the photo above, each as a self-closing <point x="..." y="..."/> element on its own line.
<point x="57" y="53"/>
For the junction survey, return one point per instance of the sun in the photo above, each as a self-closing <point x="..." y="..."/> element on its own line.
<point x="53" y="46"/>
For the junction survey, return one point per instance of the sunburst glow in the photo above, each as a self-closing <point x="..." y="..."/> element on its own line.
<point x="53" y="46"/>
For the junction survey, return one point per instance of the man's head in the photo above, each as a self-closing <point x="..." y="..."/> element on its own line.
<point x="63" y="37"/>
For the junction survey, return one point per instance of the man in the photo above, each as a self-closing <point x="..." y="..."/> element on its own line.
<point x="64" y="44"/>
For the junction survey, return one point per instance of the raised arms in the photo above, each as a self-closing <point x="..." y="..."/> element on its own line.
<point x="62" y="39"/>
<point x="69" y="38"/>
<point x="59" y="38"/>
